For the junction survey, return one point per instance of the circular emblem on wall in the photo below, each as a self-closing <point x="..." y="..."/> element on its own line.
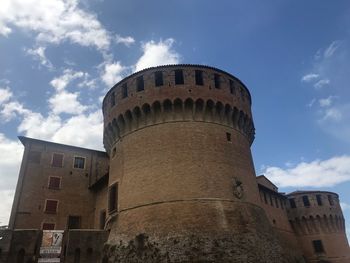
<point x="237" y="188"/>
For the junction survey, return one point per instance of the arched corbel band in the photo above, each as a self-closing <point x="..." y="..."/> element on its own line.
<point x="177" y="110"/>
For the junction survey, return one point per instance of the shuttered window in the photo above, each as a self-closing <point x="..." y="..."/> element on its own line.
<point x="57" y="160"/>
<point x="51" y="206"/>
<point x="54" y="182"/>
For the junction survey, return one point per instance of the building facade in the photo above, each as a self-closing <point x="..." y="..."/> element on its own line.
<point x="176" y="183"/>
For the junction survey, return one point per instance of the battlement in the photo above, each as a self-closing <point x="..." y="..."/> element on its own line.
<point x="315" y="212"/>
<point x="176" y="93"/>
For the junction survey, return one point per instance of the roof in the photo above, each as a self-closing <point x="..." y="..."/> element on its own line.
<point x="183" y="66"/>
<point x="263" y="177"/>
<point x="300" y="192"/>
<point x="24" y="140"/>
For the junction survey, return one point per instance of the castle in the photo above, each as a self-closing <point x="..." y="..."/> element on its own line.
<point x="176" y="184"/>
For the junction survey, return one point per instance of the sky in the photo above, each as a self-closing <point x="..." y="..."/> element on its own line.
<point x="58" y="58"/>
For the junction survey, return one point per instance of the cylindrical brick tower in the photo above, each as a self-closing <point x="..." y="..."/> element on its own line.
<point x="318" y="222"/>
<point x="182" y="185"/>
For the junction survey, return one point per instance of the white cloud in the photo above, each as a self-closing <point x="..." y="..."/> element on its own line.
<point x="11" y="152"/>
<point x="39" y="54"/>
<point x="344" y="206"/>
<point x="66" y="102"/>
<point x="12" y="109"/>
<point x="82" y="130"/>
<point x="61" y="82"/>
<point x="321" y="83"/>
<point x="112" y="73"/>
<point x="155" y="54"/>
<point x="54" y="21"/>
<point x="319" y="173"/>
<point x="332" y="48"/>
<point x="10" y="159"/>
<point x="326" y="102"/>
<point x="6" y="197"/>
<point x="127" y="41"/>
<point x="309" y="77"/>
<point x="5" y="95"/>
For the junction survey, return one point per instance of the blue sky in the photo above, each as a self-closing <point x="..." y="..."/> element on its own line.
<point x="59" y="57"/>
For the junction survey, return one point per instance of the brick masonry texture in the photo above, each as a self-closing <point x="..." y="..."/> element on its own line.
<point x="179" y="164"/>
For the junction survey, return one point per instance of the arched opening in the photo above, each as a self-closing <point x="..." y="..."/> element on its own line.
<point x="137" y="116"/>
<point x="188" y="109"/>
<point x="157" y="111"/>
<point x="218" y="112"/>
<point x="199" y="107"/>
<point x="146" y="110"/>
<point x="168" y="110"/>
<point x="77" y="255"/>
<point x="121" y="124"/>
<point x="178" y="109"/>
<point x="235" y="115"/>
<point x="209" y="110"/>
<point x="128" y="120"/>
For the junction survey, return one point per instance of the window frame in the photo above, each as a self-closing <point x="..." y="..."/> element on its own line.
<point x="124" y="91"/>
<point x="78" y="156"/>
<point x="158" y="79"/>
<point x="140" y="87"/>
<point x="319" y="200"/>
<point x="292" y="203"/>
<point x="116" y="195"/>
<point x="217" y="81"/>
<point x="198" y="77"/>
<point x="50" y="212"/>
<point x="306" y="201"/>
<point x="52" y="157"/>
<point x="54" y="188"/>
<point x="318" y="246"/>
<point x="179" y="78"/>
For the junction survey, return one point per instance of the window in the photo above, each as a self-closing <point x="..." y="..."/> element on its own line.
<point x="51" y="206"/>
<point x="54" y="182"/>
<point x="217" y="81"/>
<point x="34" y="156"/>
<point x="271" y="203"/>
<point x="318" y="246"/>
<point x="74" y="222"/>
<point x="199" y="77"/>
<point x="179" y="77"/>
<point x="319" y="200"/>
<point x="124" y="90"/>
<point x="140" y="84"/>
<point x="79" y="162"/>
<point x="292" y="203"/>
<point x="242" y="94"/>
<point x="113" y="198"/>
<point x="265" y="198"/>
<point x="232" y="87"/>
<point x="228" y="136"/>
<point x="306" y="200"/>
<point x="57" y="160"/>
<point x="102" y="219"/>
<point x="112" y="99"/>
<point x="158" y="78"/>
<point x="330" y="200"/>
<point x="48" y="226"/>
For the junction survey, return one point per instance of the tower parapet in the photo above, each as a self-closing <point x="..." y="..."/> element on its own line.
<point x="317" y="219"/>
<point x="176" y="93"/>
